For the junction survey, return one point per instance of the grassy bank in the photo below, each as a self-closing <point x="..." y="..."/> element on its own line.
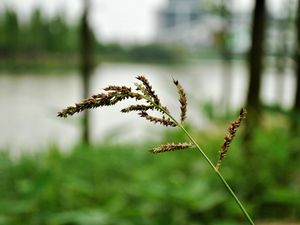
<point x="22" y="61"/>
<point x="109" y="184"/>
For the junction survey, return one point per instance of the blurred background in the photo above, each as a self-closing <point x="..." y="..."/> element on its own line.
<point x="94" y="168"/>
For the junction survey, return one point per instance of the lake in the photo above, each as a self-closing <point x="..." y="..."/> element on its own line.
<point x="30" y="102"/>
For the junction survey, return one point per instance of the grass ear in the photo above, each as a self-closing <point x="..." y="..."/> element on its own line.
<point x="182" y="100"/>
<point x="171" y="147"/>
<point x="232" y="129"/>
<point x="144" y="92"/>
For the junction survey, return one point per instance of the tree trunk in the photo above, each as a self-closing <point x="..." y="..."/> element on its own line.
<point x="255" y="72"/>
<point x="86" y="42"/>
<point x="295" y="118"/>
<point x="256" y="56"/>
<point x="297" y="57"/>
<point x="253" y="100"/>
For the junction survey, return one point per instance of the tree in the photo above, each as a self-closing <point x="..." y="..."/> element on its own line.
<point x="36" y="41"/>
<point x="297" y="58"/>
<point x="10" y="36"/>
<point x="295" y="118"/>
<point x="256" y="57"/>
<point x="87" y="63"/>
<point x="255" y="71"/>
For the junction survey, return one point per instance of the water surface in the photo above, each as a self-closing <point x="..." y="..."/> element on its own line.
<point x="29" y="102"/>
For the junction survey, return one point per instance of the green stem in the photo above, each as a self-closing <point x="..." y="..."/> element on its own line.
<point x="220" y="176"/>
<point x="209" y="162"/>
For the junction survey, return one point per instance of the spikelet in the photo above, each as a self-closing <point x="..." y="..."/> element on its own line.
<point x="182" y="100"/>
<point x="117" y="88"/>
<point x="144" y="91"/>
<point x="164" y="121"/>
<point x="93" y="102"/>
<point x="158" y="107"/>
<point x="148" y="89"/>
<point x="171" y="147"/>
<point x="232" y="129"/>
<point x="116" y="95"/>
<point x="137" y="108"/>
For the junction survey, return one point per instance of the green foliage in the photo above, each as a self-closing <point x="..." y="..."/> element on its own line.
<point x="110" y="184"/>
<point x="42" y="41"/>
<point x="9" y="27"/>
<point x="156" y="53"/>
<point x="38" y="35"/>
<point x="150" y="53"/>
<point x="107" y="185"/>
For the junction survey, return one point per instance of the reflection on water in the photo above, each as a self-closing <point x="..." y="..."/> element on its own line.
<point x="29" y="102"/>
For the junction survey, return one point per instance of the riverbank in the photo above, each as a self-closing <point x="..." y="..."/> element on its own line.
<point x="45" y="61"/>
<point x="125" y="184"/>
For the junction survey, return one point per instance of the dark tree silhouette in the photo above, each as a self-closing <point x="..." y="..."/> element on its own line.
<point x="255" y="72"/>
<point x="253" y="100"/>
<point x="87" y="63"/>
<point x="10" y="37"/>
<point x="297" y="58"/>
<point x="256" y="57"/>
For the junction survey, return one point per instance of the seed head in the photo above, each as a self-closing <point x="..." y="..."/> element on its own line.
<point x="117" y="88"/>
<point x="164" y="121"/>
<point x="137" y="108"/>
<point x="148" y="89"/>
<point x="170" y="147"/>
<point x="182" y="100"/>
<point x="144" y="91"/>
<point x="113" y="95"/>
<point x="232" y="129"/>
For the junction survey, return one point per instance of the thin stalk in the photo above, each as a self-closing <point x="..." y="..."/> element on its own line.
<point x="208" y="160"/>
<point x="220" y="176"/>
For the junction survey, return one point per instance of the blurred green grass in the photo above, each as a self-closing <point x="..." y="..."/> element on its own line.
<point x="124" y="184"/>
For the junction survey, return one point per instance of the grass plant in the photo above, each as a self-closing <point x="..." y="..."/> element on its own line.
<point x="149" y="101"/>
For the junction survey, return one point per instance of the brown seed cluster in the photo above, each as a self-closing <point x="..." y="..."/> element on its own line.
<point x="113" y="96"/>
<point x="182" y="100"/>
<point x="164" y="121"/>
<point x="144" y="92"/>
<point x="117" y="88"/>
<point x="232" y="129"/>
<point x="170" y="147"/>
<point x="137" y="108"/>
<point x="148" y="89"/>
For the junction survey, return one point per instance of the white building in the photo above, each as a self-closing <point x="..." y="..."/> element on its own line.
<point x="181" y="22"/>
<point x="189" y="23"/>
